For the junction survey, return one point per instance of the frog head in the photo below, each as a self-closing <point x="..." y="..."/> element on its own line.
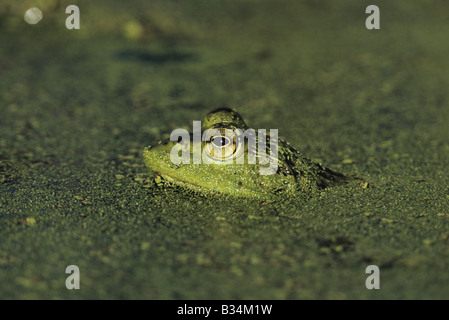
<point x="224" y="165"/>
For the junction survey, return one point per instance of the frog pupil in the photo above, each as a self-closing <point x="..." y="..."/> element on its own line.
<point x="220" y="141"/>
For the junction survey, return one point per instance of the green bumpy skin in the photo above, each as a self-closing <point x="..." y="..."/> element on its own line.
<point x="296" y="175"/>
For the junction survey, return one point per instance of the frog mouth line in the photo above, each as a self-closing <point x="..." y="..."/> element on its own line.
<point x="197" y="188"/>
<point x="175" y="182"/>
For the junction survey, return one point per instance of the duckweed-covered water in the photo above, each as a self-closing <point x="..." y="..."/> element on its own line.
<point x="77" y="108"/>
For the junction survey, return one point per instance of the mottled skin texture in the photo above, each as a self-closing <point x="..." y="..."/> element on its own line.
<point x="296" y="174"/>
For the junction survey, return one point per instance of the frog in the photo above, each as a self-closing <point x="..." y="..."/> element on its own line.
<point x="295" y="176"/>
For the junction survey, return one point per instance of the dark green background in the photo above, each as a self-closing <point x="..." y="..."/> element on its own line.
<point x="77" y="108"/>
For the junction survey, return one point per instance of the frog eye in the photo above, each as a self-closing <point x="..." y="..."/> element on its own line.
<point x="222" y="144"/>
